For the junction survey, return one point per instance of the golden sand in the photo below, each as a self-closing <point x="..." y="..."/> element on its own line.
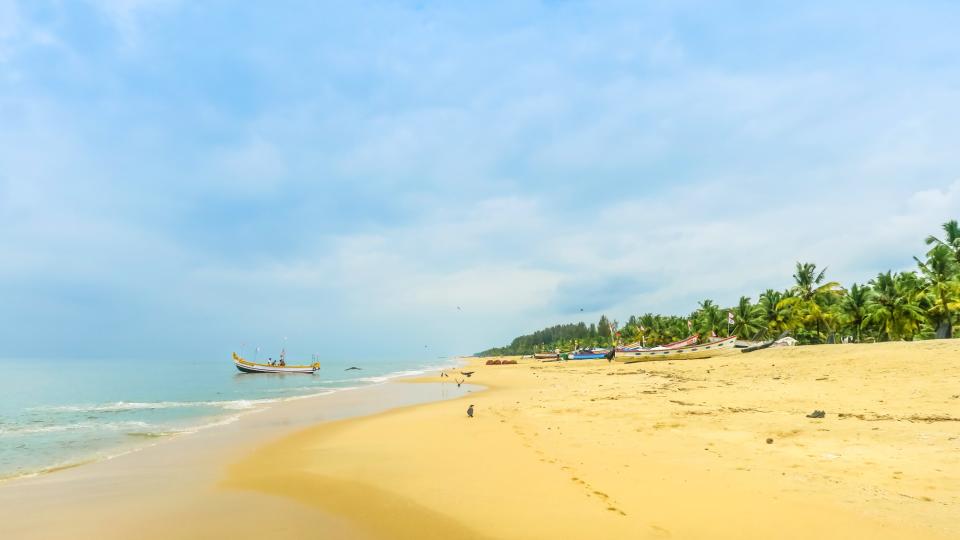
<point x="674" y="449"/>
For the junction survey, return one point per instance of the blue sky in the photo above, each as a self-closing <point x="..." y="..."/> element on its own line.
<point x="179" y="178"/>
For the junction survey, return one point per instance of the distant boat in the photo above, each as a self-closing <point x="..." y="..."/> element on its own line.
<point x="693" y="351"/>
<point x="247" y="366"/>
<point x="546" y="355"/>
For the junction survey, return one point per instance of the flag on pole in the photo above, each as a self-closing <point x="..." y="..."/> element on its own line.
<point x="730" y="319"/>
<point x="689" y="324"/>
<point x="642" y="329"/>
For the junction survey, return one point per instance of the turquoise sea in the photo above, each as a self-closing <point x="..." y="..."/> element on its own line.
<point x="56" y="413"/>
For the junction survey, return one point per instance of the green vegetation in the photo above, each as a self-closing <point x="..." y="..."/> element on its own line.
<point x="916" y="304"/>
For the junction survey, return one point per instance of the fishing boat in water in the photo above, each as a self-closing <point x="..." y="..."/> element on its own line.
<point x="280" y="366"/>
<point x="705" y="350"/>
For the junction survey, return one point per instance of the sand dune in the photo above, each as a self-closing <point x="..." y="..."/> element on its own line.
<point x="651" y="450"/>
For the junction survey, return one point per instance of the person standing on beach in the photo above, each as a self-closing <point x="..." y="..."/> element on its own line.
<point x="470" y="411"/>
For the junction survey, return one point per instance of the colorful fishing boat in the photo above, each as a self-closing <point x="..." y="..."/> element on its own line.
<point x="281" y="366"/>
<point x="590" y="354"/>
<point x="715" y="348"/>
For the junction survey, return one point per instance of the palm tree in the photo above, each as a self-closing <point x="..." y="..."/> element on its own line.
<point x="942" y="284"/>
<point x="853" y="307"/>
<point x="951" y="240"/>
<point x="708" y="319"/>
<point x="771" y="311"/>
<point x="892" y="305"/>
<point x="649" y="332"/>
<point x="811" y="293"/>
<point x="748" y="322"/>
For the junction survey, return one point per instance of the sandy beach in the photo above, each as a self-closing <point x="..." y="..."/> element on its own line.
<point x="674" y="449"/>
<point x="651" y="450"/>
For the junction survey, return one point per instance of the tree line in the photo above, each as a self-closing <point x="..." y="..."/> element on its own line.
<point x="914" y="304"/>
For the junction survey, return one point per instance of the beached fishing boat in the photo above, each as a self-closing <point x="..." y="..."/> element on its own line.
<point x="675" y="345"/>
<point x="247" y="366"/>
<point x="589" y="354"/>
<point x="546" y="355"/>
<point x="722" y="346"/>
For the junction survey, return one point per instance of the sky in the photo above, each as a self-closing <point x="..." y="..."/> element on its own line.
<point x="421" y="179"/>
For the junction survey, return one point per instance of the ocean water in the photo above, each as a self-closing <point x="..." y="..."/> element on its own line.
<point x="57" y="413"/>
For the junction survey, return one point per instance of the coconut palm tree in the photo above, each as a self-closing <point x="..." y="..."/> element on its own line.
<point x="773" y="314"/>
<point x="649" y="332"/>
<point x="942" y="285"/>
<point x="892" y="305"/>
<point x="811" y="293"/>
<point x="853" y="307"/>
<point x="708" y="319"/>
<point x="951" y="239"/>
<point x="748" y="322"/>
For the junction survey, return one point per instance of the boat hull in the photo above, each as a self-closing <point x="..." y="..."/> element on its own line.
<point x="722" y="346"/>
<point x="572" y="356"/>
<point x="586" y="355"/>
<point x="675" y="345"/>
<point x="246" y="366"/>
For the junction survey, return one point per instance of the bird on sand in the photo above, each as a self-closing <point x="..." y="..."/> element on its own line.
<point x="470" y="411"/>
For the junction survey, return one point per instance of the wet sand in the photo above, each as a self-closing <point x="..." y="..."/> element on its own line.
<point x="173" y="489"/>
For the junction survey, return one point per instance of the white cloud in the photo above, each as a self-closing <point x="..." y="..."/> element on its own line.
<point x="518" y="166"/>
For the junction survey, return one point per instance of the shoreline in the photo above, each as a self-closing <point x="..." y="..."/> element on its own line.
<point x="672" y="449"/>
<point x="173" y="484"/>
<point x="231" y="411"/>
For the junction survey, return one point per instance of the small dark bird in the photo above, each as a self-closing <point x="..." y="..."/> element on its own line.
<point x="467" y="373"/>
<point x="458" y="308"/>
<point x="470" y="411"/>
<point x="352" y="367"/>
<point x="459" y="382"/>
